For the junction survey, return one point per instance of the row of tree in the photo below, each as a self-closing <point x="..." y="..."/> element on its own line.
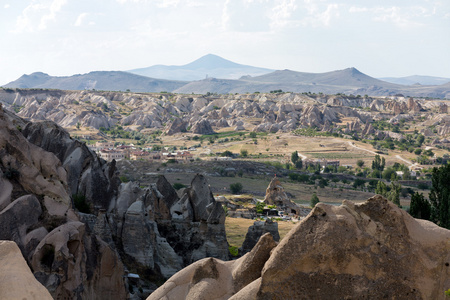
<point x="437" y="208"/>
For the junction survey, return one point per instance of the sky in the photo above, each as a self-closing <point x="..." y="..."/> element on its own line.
<point x="380" y="38"/>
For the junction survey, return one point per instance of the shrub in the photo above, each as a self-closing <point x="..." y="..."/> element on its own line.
<point x="80" y="203"/>
<point x="260" y="207"/>
<point x="314" y="200"/>
<point x="124" y="179"/>
<point x="244" y="153"/>
<point x="178" y="186"/>
<point x="233" y="251"/>
<point x="236" y="188"/>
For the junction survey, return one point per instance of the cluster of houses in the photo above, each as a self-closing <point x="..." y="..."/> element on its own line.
<point x="108" y="151"/>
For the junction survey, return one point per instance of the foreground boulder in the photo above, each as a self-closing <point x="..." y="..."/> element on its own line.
<point x="16" y="279"/>
<point x="372" y="250"/>
<point x="211" y="278"/>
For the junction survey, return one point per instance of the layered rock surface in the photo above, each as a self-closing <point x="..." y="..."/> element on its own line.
<point x="372" y="250"/>
<point x="149" y="231"/>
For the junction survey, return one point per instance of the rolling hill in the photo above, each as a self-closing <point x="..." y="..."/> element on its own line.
<point x="417" y="79"/>
<point x="99" y="80"/>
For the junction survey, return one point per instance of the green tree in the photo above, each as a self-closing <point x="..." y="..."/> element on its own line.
<point x="299" y="163"/>
<point x="244" y="153"/>
<point x="420" y="207"/>
<point x="359" y="182"/>
<point x="260" y="207"/>
<point x="440" y="196"/>
<point x="378" y="163"/>
<point x="381" y="189"/>
<point x="294" y="157"/>
<point x="360" y="163"/>
<point x="394" y="193"/>
<point x="227" y="153"/>
<point x="236" y="188"/>
<point x="314" y="200"/>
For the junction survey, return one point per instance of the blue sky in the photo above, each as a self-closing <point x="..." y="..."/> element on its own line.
<point x="380" y="38"/>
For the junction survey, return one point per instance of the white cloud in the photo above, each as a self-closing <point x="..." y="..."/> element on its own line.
<point x="282" y="12"/>
<point x="55" y="7"/>
<point x="25" y="20"/>
<point x="38" y="12"/>
<point x="80" y="19"/>
<point x="317" y="16"/>
<point x="6" y="6"/>
<point x="355" y="9"/>
<point x="397" y="16"/>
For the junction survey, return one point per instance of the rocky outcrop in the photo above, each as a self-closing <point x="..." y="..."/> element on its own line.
<point x="372" y="250"/>
<point x="176" y="126"/>
<point x="258" y="229"/>
<point x="16" y="279"/>
<point x="71" y="263"/>
<point x="211" y="278"/>
<point x="202" y="127"/>
<point x="196" y="227"/>
<point x="87" y="175"/>
<point x="275" y="195"/>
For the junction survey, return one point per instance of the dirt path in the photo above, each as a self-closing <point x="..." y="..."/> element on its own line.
<point x="405" y="160"/>
<point x="354" y="146"/>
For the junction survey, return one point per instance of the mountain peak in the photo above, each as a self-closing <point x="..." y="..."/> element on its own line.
<point x="210" y="61"/>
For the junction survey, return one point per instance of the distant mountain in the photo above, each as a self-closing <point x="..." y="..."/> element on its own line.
<point x="342" y="81"/>
<point x="417" y="79"/>
<point x="207" y="66"/>
<point x="99" y="80"/>
<point x="347" y="81"/>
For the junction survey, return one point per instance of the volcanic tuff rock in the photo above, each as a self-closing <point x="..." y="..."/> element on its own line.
<point x="211" y="278"/>
<point x="372" y="250"/>
<point x="202" y="127"/>
<point x="79" y="255"/>
<point x="254" y="232"/>
<point x="16" y="279"/>
<point x="177" y="113"/>
<point x="275" y="195"/>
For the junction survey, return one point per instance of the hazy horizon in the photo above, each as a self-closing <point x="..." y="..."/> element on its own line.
<point x="66" y="37"/>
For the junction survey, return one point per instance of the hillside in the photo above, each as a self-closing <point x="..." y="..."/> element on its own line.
<point x="99" y="80"/>
<point x="417" y="79"/>
<point x="207" y="66"/>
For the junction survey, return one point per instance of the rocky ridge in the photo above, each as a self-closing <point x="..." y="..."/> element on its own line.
<point x="370" y="250"/>
<point x="205" y="114"/>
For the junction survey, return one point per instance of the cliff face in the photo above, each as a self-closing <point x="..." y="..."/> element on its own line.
<point x="372" y="250"/>
<point x="151" y="231"/>
<point x="36" y="212"/>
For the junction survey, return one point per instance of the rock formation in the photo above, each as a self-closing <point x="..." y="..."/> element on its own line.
<point x="202" y="127"/>
<point x="176" y="126"/>
<point x="258" y="229"/>
<point x="211" y="278"/>
<point x="372" y="250"/>
<point x="44" y="178"/>
<point x="275" y="195"/>
<point x="16" y="279"/>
